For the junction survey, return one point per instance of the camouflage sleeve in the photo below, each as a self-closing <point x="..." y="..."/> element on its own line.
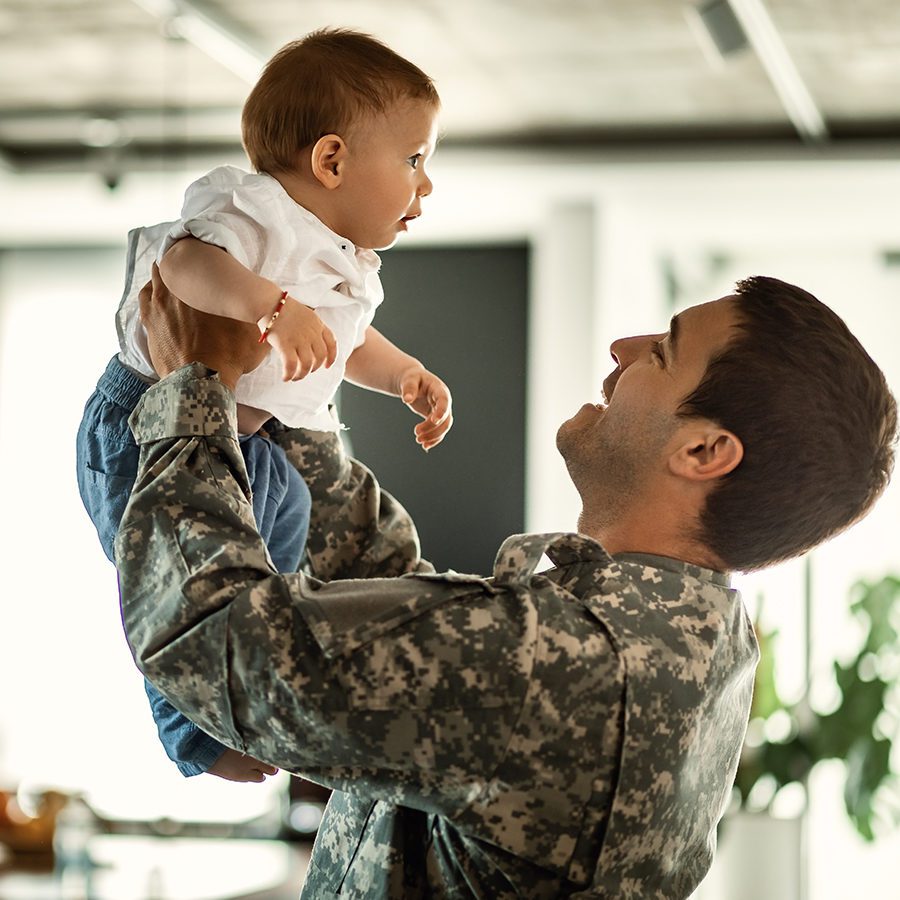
<point x="361" y="685"/>
<point x="356" y="530"/>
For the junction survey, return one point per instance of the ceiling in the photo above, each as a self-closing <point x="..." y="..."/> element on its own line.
<point x="82" y="79"/>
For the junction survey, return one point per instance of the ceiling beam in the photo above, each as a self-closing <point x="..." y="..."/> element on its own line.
<point x="9" y="163"/>
<point x="216" y="34"/>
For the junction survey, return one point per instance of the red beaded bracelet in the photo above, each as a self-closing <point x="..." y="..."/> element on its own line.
<point x="278" y="308"/>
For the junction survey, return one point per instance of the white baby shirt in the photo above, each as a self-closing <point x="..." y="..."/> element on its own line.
<point x="252" y="218"/>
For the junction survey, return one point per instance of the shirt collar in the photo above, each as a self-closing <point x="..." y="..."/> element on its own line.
<point x="574" y="548"/>
<point x="668" y="564"/>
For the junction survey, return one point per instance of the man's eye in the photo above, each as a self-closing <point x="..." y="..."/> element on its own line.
<point x="414" y="160"/>
<point x="657" y="352"/>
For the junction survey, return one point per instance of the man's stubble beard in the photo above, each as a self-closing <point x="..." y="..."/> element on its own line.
<point x="605" y="500"/>
<point x="610" y="465"/>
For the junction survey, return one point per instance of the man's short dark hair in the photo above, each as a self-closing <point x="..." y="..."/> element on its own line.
<point x="816" y="419"/>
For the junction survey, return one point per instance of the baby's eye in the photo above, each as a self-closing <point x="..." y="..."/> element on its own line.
<point x="414" y="160"/>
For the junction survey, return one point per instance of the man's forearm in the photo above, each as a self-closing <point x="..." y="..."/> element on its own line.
<point x="356" y="529"/>
<point x="190" y="461"/>
<point x="186" y="427"/>
<point x="268" y="663"/>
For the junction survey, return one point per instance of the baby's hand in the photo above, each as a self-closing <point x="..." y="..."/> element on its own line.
<point x="302" y="339"/>
<point x="425" y="394"/>
<point x="235" y="766"/>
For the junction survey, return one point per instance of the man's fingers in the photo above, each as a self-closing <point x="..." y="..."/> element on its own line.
<point x="156" y="279"/>
<point x="178" y="334"/>
<point x="144" y="298"/>
<point x="155" y="286"/>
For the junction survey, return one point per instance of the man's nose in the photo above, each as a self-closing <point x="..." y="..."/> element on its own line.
<point x="625" y="350"/>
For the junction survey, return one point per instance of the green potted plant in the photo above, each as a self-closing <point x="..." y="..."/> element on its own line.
<point x="860" y="730"/>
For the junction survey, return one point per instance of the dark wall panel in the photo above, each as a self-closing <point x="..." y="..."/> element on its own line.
<point x="462" y="311"/>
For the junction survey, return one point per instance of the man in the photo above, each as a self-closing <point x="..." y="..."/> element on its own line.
<point x="573" y="732"/>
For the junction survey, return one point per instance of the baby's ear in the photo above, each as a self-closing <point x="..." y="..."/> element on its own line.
<point x="327" y="160"/>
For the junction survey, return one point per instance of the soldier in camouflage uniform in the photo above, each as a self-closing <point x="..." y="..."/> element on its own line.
<point x="568" y="732"/>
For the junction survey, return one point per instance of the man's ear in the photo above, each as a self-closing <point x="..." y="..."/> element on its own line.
<point x="706" y="452"/>
<point x="327" y="159"/>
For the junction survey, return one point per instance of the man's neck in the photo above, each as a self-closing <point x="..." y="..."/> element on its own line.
<point x="652" y="538"/>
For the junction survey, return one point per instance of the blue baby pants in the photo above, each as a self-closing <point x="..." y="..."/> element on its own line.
<point x="107" y="460"/>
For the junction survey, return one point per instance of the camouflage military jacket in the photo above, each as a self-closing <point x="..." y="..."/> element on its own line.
<point x="570" y="732"/>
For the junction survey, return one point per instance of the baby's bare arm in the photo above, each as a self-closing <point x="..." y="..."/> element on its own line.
<point x="381" y="366"/>
<point x="212" y="281"/>
<point x="209" y="279"/>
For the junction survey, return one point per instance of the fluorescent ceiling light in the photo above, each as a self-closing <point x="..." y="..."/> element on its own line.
<point x="209" y="30"/>
<point x="725" y="22"/>
<point x="790" y="87"/>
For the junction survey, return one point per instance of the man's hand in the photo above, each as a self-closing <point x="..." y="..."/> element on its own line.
<point x="302" y="339"/>
<point x="235" y="766"/>
<point x="425" y="394"/>
<point x="178" y="335"/>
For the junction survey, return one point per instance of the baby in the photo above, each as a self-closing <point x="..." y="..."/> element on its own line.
<point x="339" y="129"/>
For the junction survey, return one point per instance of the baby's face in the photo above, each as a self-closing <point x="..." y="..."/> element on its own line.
<point x="384" y="177"/>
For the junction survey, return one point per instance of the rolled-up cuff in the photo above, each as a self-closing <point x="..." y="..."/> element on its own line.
<point x="187" y="403"/>
<point x="204" y="755"/>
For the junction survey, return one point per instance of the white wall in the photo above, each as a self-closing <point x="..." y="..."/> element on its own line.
<point x="602" y="228"/>
<point x="73" y="712"/>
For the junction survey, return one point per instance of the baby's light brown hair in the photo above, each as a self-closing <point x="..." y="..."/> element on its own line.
<point x="321" y="85"/>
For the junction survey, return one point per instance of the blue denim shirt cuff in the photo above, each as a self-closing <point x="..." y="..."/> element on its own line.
<point x="205" y="752"/>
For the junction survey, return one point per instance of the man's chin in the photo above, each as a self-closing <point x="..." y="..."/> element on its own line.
<point x="567" y="433"/>
<point x="578" y="430"/>
<point x="563" y="437"/>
